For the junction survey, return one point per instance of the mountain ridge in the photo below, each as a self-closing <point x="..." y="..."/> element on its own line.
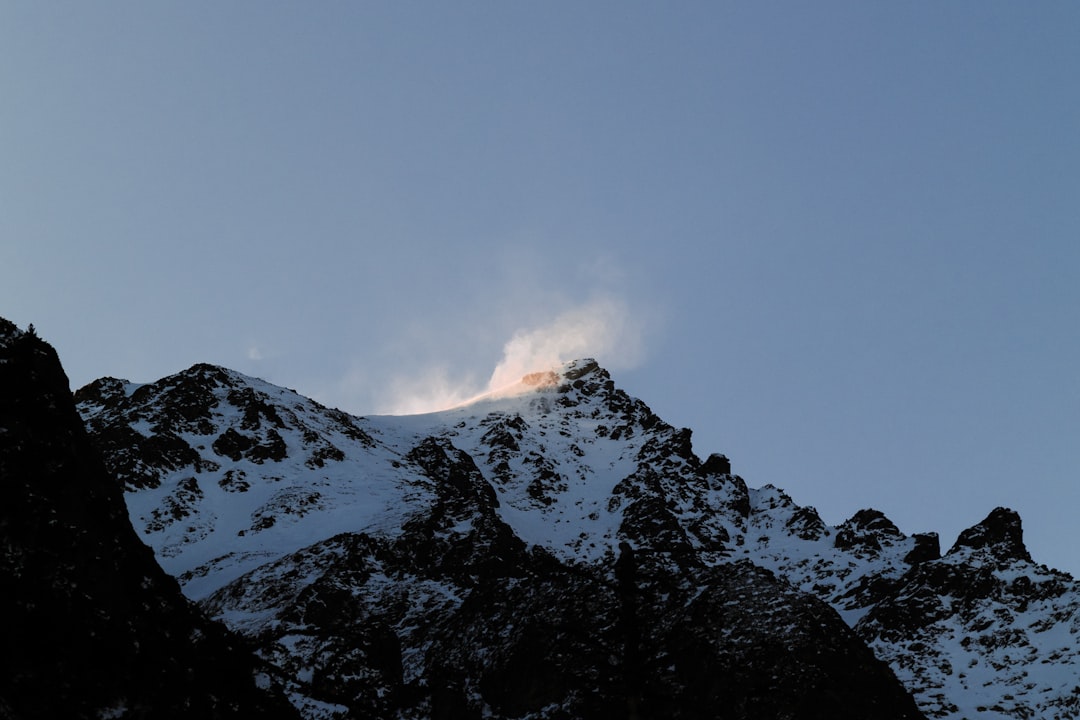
<point x="580" y="472"/>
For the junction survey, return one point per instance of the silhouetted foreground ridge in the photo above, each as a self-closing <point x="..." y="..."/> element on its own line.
<point x="90" y="626"/>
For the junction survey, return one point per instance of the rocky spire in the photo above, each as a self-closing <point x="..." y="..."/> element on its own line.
<point x="1000" y="533"/>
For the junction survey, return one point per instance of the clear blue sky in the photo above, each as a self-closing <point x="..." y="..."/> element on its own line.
<point x="842" y="238"/>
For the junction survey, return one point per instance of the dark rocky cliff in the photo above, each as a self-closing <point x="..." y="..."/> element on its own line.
<point x="90" y="626"/>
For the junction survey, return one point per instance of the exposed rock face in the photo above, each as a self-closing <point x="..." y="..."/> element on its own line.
<point x="999" y="537"/>
<point x="90" y="626"/>
<point x="564" y="553"/>
<point x="512" y="633"/>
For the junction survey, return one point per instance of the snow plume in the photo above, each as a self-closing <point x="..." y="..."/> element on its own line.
<point x="435" y="390"/>
<point x="600" y="328"/>
<point x="603" y="328"/>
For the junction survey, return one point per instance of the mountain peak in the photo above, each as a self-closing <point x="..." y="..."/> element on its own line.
<point x="1001" y="533"/>
<point x="9" y="331"/>
<point x="584" y="366"/>
<point x="583" y="374"/>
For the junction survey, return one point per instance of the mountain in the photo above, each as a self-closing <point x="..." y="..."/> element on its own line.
<point x="558" y="550"/>
<point x="90" y="625"/>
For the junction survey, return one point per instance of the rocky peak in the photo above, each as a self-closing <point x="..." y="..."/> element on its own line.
<point x="151" y="430"/>
<point x="587" y="383"/>
<point x="578" y="369"/>
<point x="101" y="394"/>
<point x="8" y="331"/>
<point x="716" y="464"/>
<point x="867" y="530"/>
<point x="983" y="606"/>
<point x="1000" y="534"/>
<point x="874" y="521"/>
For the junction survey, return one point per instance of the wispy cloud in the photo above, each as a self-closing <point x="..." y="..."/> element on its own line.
<point x="604" y="328"/>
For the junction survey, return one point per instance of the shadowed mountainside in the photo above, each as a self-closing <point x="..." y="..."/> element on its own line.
<point x="90" y="625"/>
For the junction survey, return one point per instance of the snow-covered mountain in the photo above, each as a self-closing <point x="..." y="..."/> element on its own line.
<point x="558" y="550"/>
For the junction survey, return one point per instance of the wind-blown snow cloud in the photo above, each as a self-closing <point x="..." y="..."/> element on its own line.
<point x="603" y="327"/>
<point x="431" y="391"/>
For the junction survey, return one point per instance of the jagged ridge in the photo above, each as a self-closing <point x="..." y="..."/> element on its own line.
<point x="562" y="482"/>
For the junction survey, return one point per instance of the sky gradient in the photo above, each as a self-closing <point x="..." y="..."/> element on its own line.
<point x="839" y="240"/>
